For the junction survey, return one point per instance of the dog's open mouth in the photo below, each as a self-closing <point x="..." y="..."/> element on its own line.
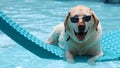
<point x="80" y="35"/>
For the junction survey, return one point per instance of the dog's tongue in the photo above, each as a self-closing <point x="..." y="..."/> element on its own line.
<point x="81" y="36"/>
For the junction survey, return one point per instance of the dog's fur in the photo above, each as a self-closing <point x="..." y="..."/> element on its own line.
<point x="63" y="35"/>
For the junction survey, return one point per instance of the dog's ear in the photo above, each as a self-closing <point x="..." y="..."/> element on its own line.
<point x="96" y="20"/>
<point x="66" y="20"/>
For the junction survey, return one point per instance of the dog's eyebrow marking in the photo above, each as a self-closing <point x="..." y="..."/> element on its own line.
<point x="75" y="15"/>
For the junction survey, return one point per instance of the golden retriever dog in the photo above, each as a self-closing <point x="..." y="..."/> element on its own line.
<point x="79" y="34"/>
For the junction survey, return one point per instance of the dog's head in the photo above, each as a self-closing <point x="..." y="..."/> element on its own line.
<point x="80" y="20"/>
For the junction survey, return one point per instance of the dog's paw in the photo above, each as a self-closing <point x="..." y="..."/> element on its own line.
<point x="91" y="62"/>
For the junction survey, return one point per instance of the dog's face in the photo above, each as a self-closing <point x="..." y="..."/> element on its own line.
<point x="80" y="20"/>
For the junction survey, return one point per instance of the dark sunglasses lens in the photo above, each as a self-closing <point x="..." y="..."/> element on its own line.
<point x="74" y="19"/>
<point x="86" y="18"/>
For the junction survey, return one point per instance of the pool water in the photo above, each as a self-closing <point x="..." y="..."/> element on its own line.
<point x="39" y="17"/>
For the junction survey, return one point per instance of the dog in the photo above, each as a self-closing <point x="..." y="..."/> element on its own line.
<point x="79" y="34"/>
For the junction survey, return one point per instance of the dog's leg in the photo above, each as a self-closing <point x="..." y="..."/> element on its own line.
<point x="53" y="37"/>
<point x="69" y="57"/>
<point x="96" y="51"/>
<point x="92" y="60"/>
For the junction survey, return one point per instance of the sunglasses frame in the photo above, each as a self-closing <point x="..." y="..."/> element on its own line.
<point x="72" y="19"/>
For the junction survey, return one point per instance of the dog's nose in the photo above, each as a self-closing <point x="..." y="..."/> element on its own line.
<point x="81" y="28"/>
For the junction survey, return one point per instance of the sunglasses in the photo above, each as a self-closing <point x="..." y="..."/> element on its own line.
<point x="76" y="19"/>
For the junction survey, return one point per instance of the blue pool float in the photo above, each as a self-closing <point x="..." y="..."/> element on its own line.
<point x="110" y="42"/>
